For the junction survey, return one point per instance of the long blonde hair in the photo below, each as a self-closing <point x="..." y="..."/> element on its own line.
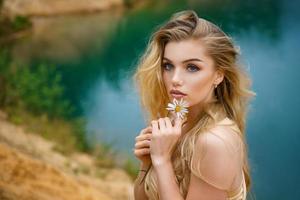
<point x="232" y="94"/>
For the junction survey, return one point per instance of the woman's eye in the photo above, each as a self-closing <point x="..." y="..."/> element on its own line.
<point x="192" y="68"/>
<point x="167" y="66"/>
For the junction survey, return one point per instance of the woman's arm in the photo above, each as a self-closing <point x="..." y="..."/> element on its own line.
<point x="139" y="192"/>
<point x="164" y="139"/>
<point x="167" y="187"/>
<point x="142" y="152"/>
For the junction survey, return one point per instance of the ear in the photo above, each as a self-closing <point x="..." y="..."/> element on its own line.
<point x="219" y="77"/>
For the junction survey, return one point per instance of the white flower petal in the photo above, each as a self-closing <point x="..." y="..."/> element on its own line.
<point x="171" y="105"/>
<point x="180" y="105"/>
<point x="181" y="101"/>
<point x="175" y="101"/>
<point x="185" y="104"/>
<point x="172" y="109"/>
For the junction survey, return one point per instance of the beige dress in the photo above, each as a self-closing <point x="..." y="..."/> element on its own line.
<point x="218" y="156"/>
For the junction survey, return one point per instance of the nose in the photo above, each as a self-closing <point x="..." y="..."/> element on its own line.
<point x="177" y="78"/>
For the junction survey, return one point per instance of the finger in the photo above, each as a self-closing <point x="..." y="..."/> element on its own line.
<point x="154" y="124"/>
<point x="178" y="122"/>
<point x="146" y="136"/>
<point x="162" y="124"/>
<point x="142" y="152"/>
<point x="142" y="144"/>
<point x="168" y="122"/>
<point x="172" y="118"/>
<point x="146" y="130"/>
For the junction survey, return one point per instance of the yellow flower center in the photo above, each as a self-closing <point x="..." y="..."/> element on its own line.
<point x="177" y="109"/>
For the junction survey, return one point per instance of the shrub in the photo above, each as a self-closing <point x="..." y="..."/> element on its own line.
<point x="38" y="91"/>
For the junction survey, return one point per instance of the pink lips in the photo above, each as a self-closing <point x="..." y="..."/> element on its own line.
<point x="177" y="94"/>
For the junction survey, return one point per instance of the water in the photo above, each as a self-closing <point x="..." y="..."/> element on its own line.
<point x="96" y="55"/>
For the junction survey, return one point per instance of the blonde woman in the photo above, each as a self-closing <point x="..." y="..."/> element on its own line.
<point x="202" y="156"/>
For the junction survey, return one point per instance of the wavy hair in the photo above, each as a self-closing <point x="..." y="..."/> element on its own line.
<point x="232" y="94"/>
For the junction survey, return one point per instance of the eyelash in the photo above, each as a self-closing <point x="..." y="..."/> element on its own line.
<point x="164" y="65"/>
<point x="195" y="68"/>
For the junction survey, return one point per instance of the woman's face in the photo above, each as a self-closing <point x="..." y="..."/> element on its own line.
<point x="188" y="69"/>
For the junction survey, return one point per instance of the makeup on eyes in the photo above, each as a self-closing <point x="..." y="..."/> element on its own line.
<point x="190" y="67"/>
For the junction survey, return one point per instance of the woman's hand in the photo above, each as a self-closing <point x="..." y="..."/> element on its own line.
<point x="164" y="139"/>
<point x="142" y="146"/>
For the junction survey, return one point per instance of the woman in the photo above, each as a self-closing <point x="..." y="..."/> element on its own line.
<point x="204" y="155"/>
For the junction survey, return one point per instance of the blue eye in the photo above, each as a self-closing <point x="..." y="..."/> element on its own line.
<point x="167" y="66"/>
<point x="192" y="68"/>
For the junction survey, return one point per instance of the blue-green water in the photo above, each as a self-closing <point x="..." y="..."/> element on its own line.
<point x="96" y="55"/>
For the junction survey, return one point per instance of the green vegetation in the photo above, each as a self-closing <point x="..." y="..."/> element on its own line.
<point x="9" y="26"/>
<point x="108" y="157"/>
<point x="131" y="168"/>
<point x="38" y="91"/>
<point x="63" y="132"/>
<point x="20" y="22"/>
<point x="34" y="98"/>
<point x="105" y="154"/>
<point x="129" y="3"/>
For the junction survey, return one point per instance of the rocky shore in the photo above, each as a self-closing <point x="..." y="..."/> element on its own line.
<point x="13" y="8"/>
<point x="31" y="169"/>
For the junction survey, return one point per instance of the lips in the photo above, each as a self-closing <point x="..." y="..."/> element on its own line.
<point x="177" y="93"/>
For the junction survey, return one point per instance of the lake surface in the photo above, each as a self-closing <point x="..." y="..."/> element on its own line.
<point x="96" y="55"/>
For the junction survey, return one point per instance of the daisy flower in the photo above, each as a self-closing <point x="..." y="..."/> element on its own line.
<point x="178" y="107"/>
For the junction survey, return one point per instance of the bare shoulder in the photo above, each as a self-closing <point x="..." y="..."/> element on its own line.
<point x="223" y="136"/>
<point x="218" y="157"/>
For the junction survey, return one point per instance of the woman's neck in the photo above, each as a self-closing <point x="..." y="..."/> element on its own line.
<point x="194" y="114"/>
<point x="191" y="119"/>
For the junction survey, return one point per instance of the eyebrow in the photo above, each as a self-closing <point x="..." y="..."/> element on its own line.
<point x="188" y="60"/>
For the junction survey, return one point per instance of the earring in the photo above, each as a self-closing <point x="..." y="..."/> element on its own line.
<point x="216" y="85"/>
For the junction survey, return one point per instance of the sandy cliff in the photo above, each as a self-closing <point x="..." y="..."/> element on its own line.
<point x="31" y="170"/>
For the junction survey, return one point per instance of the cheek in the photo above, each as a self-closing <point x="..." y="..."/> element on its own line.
<point x="199" y="89"/>
<point x="166" y="80"/>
